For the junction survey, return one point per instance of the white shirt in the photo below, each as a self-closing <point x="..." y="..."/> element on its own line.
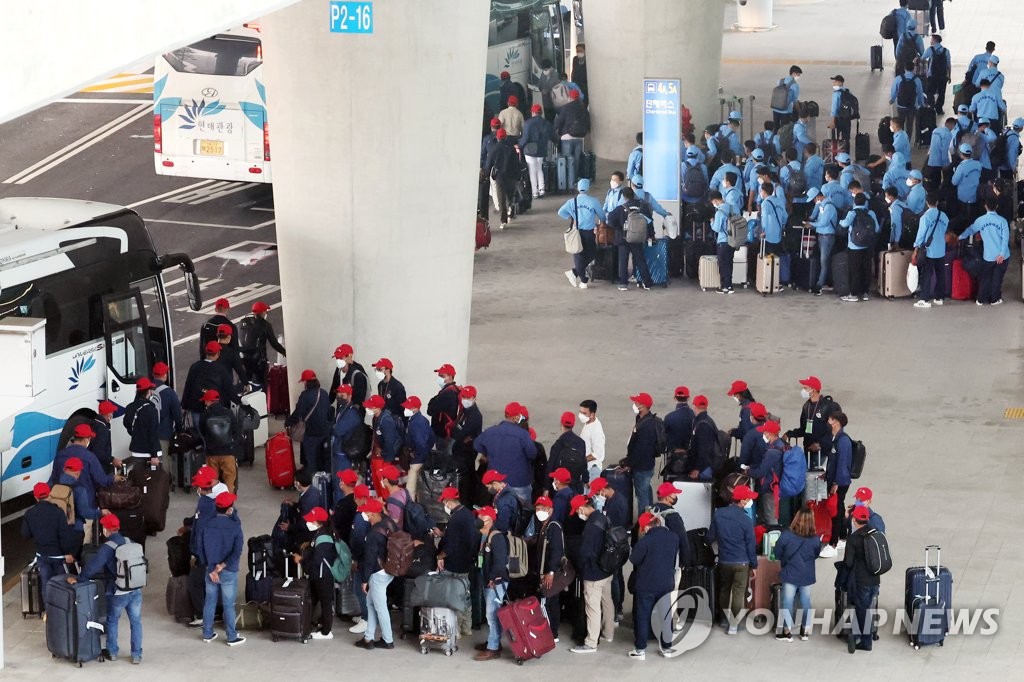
<point x="593" y="436"/>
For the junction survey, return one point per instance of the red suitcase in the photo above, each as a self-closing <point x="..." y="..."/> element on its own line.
<point x="483" y="233"/>
<point x="965" y="288"/>
<point x="280" y="461"/>
<point x="529" y="635"/>
<point x="278" y="401"/>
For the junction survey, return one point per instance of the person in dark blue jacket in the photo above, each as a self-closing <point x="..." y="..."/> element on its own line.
<point x="643" y="448"/>
<point x="419" y="438"/>
<point x="668" y="494"/>
<point x="169" y="406"/>
<point x="506" y="503"/>
<point x="769" y="472"/>
<point x="360" y="531"/>
<point x="679" y="424"/>
<point x="743" y="397"/>
<point x="347" y="424"/>
<point x="654" y="560"/>
<point x="569" y="451"/>
<point x="468" y="425"/>
<point x="387" y="431"/>
<point x="551" y="552"/>
<point x="797" y="549"/>
<point x="495" y="553"/>
<point x="316" y="559"/>
<point x="220" y="550"/>
<point x="563" y="494"/>
<point x="616" y="508"/>
<point x="459" y="547"/>
<point x="752" y="446"/>
<point x="78" y="446"/>
<point x="100" y="445"/>
<point x="86" y="511"/>
<point x="597" y="584"/>
<point x="838" y="479"/>
<point x="737" y="554"/>
<point x="142" y="421"/>
<point x="862" y="498"/>
<point x="103" y="566"/>
<point x="388" y="387"/>
<point x="703" y="442"/>
<point x="46" y="525"/>
<point x="312" y="407"/>
<point x="509" y="449"/>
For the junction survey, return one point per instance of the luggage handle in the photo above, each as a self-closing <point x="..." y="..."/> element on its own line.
<point x="931" y="576"/>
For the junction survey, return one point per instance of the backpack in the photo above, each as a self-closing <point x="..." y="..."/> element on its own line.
<point x="661" y="441"/>
<point x="938" y="60"/>
<point x="908" y="50"/>
<point x="862" y="232"/>
<point x="575" y="461"/>
<point x="400" y="553"/>
<point x="635" y="226"/>
<point x="341" y="568"/>
<point x="518" y="557"/>
<point x="764" y="143"/>
<point x="414" y="517"/>
<point x="736" y="231"/>
<point x="1000" y="149"/>
<point x="207" y="333"/>
<point x="560" y="95"/>
<point x="157" y="401"/>
<point x="786" y="136"/>
<point x="64" y="497"/>
<point x="910" y="221"/>
<point x="248" y="333"/>
<point x="906" y="93"/>
<point x="132" y="566"/>
<point x="794" y="472"/>
<point x="616" y="549"/>
<point x="580" y="126"/>
<point x="849" y="105"/>
<point x="888" y="27"/>
<point x="694" y="183"/>
<point x="797" y="182"/>
<point x="876" y="552"/>
<point x="860" y="454"/>
<point x="722" y="145"/>
<point x="780" y="95"/>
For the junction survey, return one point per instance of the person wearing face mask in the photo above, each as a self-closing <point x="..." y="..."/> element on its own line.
<point x="538" y="134"/>
<point x="551" y="549"/>
<point x="418" y="438"/>
<point x="494" y="552"/>
<point x="373" y="578"/>
<point x="316" y="560"/>
<point x="345" y="509"/>
<point x="504" y="500"/>
<point x="202" y="482"/>
<point x="348" y="371"/>
<point x="752" y="445"/>
<point x="585" y="212"/>
<point x="814" y="414"/>
<point x="313" y="408"/>
<point x="646" y="443"/>
<point x="784" y="115"/>
<point x="349" y="436"/>
<point x="840" y="109"/>
<point x="824" y="219"/>
<point x="360" y="530"/>
<point x="508" y="448"/>
<point x="616" y="508"/>
<point x="443" y="409"/>
<point x="703" y="442"/>
<point x="568" y="451"/>
<point x="613" y="198"/>
<point x="725" y="252"/>
<point x="768" y="472"/>
<point x="597" y="584"/>
<point x="896" y="218"/>
<point x="467" y="427"/>
<point x="838" y="479"/>
<point x="679" y="425"/>
<point x="863" y="498"/>
<point x="387" y="434"/>
<point x="593" y="437"/>
<point x="733" y="529"/>
<point x="654" y="576"/>
<point x="668" y="495"/>
<point x="220" y="548"/>
<point x="458" y="548"/>
<point x="739" y="392"/>
<point x="388" y="387"/>
<point x="562" y="494"/>
<point x="916" y="194"/>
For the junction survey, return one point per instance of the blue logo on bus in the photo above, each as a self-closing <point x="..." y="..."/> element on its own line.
<point x="199" y="110"/>
<point x="81" y="366"/>
<point x="511" y="57"/>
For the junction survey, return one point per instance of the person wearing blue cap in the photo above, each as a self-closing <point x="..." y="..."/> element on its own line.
<point x="1011" y="149"/>
<point x="720" y="226"/>
<point x="940" y="68"/>
<point x="986" y="104"/>
<point x="995" y="236"/>
<point x="618" y="220"/>
<point x="896" y="175"/>
<point x="861" y="227"/>
<point x="835" y="192"/>
<point x="732" y="132"/>
<point x="824" y="220"/>
<point x="916" y="193"/>
<point x="644" y="197"/>
<point x="755" y="160"/>
<point x="986" y="138"/>
<point x="907" y="94"/>
<point x="909" y="46"/>
<point x="964" y="122"/>
<point x="852" y="171"/>
<point x="784" y="114"/>
<point x="930" y="254"/>
<point x="693" y="177"/>
<point x="966" y="179"/>
<point x="586" y="213"/>
<point x="689" y="143"/>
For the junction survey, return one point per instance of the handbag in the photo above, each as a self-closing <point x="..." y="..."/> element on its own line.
<point x="573" y="243"/>
<point x="297" y="431"/>
<point x="563" y="578"/>
<point x="120" y="495"/>
<point x="604" y="234"/>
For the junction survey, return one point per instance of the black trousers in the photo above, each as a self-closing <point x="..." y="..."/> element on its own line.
<point x="321" y="590"/>
<point x="860" y="272"/>
<point x="839" y="526"/>
<point x="725" y="259"/>
<point x="935" y="90"/>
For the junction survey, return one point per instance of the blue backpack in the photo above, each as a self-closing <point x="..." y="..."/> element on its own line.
<point x="794" y="472"/>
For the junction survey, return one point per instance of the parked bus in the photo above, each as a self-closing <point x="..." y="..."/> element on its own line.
<point x="210" y="109"/>
<point x="83" y="315"/>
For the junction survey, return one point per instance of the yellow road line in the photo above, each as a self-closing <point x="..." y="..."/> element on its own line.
<point x="111" y="84"/>
<point x="1014" y="413"/>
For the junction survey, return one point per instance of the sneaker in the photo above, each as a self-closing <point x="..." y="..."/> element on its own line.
<point x="385" y="645"/>
<point x="978" y="303"/>
<point x="536" y="196"/>
<point x="730" y="290"/>
<point x="583" y="649"/>
<point x="359" y="628"/>
<point x="720" y="290"/>
<point x="999" y="302"/>
<point x="542" y="193"/>
<point x="196" y="623"/>
<point x="733" y="630"/>
<point x="937" y="301"/>
<point x="236" y="641"/>
<point x="209" y="639"/>
<point x="827" y="552"/>
<point x="618" y="618"/>
<point x="849" y="299"/>
<point x="827" y="288"/>
<point x="607" y="639"/>
<point x="668" y="653"/>
<point x="817" y="292"/>
<point x="556" y="640"/>
<point x="320" y="635"/>
<point x="783" y="637"/>
<point x="363" y="643"/>
<point x="573" y="279"/>
<point x="583" y="285"/>
<point x="922" y="304"/>
<point x="623" y="287"/>
<point x="136" y="660"/>
<point x="803" y="635"/>
<point x="638" y="655"/>
<point x="644" y="287"/>
<point x="841" y="545"/>
<point x="111" y="657"/>
<point x="865" y="297"/>
<point x="502" y="226"/>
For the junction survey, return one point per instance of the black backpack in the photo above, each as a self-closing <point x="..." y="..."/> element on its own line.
<point x="911" y="221"/>
<point x="694" y="182"/>
<point x="248" y="333"/>
<point x="415" y="520"/>
<point x="906" y="93"/>
<point x="797" y="182"/>
<point x="580" y="123"/>
<point x="722" y="145"/>
<point x="207" y="333"/>
<point x="876" y="552"/>
<point x="849" y="105"/>
<point x="888" y="27"/>
<point x="575" y="461"/>
<point x="615" y="553"/>
<point x="908" y="51"/>
<point x="1000" y="150"/>
<point x="862" y="233"/>
<point x="939" y="63"/>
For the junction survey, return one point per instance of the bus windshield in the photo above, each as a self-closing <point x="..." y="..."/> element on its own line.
<point x="221" y="55"/>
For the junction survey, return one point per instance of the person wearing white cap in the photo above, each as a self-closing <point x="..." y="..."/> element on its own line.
<point x="1009" y="143"/>
<point x="585" y="213"/>
<point x="966" y="179"/>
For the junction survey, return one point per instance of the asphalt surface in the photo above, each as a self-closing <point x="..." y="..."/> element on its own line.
<point x="99" y="146"/>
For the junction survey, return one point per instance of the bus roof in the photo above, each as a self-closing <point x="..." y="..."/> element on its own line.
<point x="45" y="213"/>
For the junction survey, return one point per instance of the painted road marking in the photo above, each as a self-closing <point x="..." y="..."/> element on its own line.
<point x="215" y="254"/>
<point x="124" y="82"/>
<point x="243" y="294"/>
<point x="98" y="100"/>
<point x="201" y="195"/>
<point x="159" y="197"/>
<point x="193" y="223"/>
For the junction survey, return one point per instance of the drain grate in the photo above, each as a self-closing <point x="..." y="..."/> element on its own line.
<point x="1014" y="413"/>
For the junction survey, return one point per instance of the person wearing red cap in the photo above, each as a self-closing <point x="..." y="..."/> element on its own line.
<point x="387" y="431"/>
<point x="78" y="446"/>
<point x="768" y="473"/>
<point x="797" y="551"/>
<point x="100" y="444"/>
<point x="348" y="371"/>
<point x="222" y="438"/>
<point x="511" y="118"/>
<point x="838" y="479"/>
<point x="733" y="529"/>
<point x="551" y="548"/>
<point x="705" y="447"/>
<point x="569" y="451"/>
<point x="142" y="422"/>
<point x="506" y="503"/>
<point x="388" y="387"/>
<point x="562" y="494"/>
<point x="536" y="138"/>
<point x="256" y="332"/>
<point x="654" y="576"/>
<point x="374" y="578"/>
<point x="229" y="354"/>
<point x="863" y="498"/>
<point x="468" y="425"/>
<point x="104" y="563"/>
<point x="668" y="494"/>
<point x="316" y="559"/>
<point x="444" y="408"/>
<point x="508" y="448"/>
<point x="344" y="512"/>
<point x="510" y="89"/>
<point x="865" y="584"/>
<point x="593" y="437"/>
<point x="459" y="548"/>
<point x="597" y="583"/>
<point x="220" y="549"/>
<point x="53" y="538"/>
<point x="351" y="439"/>
<point x="679" y="426"/>
<point x="206" y="374"/>
<point x="814" y="414"/>
<point x="743" y="397"/>
<point x="502" y="167"/>
<point x="168" y="407"/>
<point x="617" y="508"/>
<point x="572" y="122"/>
<point x="489" y="140"/>
<point x="495" y="551"/>
<point x="313" y="409"/>
<point x="419" y="439"/>
<point x="646" y="443"/>
<point x="208" y="332"/>
<point x="752" y="445"/>
<point x="71" y="494"/>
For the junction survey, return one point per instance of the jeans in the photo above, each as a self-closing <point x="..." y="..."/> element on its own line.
<point x="863" y="601"/>
<point x="732" y="590"/>
<point x="933" y="279"/>
<point x="132" y="603"/>
<point x="493" y="599"/>
<point x="377" y="608"/>
<point x="789" y="592"/>
<point x="360" y="593"/>
<point x="47" y="569"/>
<point x="643" y="609"/>
<point x="825" y="244"/>
<point x="536" y="166"/>
<point x="227" y="590"/>
<point x="990" y="280"/>
<point x="581" y="260"/>
<point x="573" y="147"/>
<point x="639" y="263"/>
<point x="860" y="271"/>
<point x="642" y="488"/>
<point x="725" y="256"/>
<point x="839" y="525"/>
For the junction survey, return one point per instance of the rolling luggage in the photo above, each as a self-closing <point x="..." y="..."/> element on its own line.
<point x="74" y="619"/>
<point x="31" y="591"/>
<point x="892" y="273"/>
<point x="964" y="287"/>
<point x="280" y="461"/>
<point x="410" y="613"/>
<point x="561" y="174"/>
<point x="179" y="558"/>
<point x="759" y="594"/>
<point x="606" y="264"/>
<point x="926" y="122"/>
<point x="703" y="552"/>
<point x="439" y="627"/>
<point x="438" y="473"/>
<point x="440" y="590"/>
<point x="550" y="176"/>
<point x="526" y="628"/>
<point x="571" y="173"/>
<point x="695" y="248"/>
<point x="290" y="614"/>
<point x="622" y="484"/>
<point x="861" y="145"/>
<point x="701" y="579"/>
<point x="804" y="267"/>
<point x="186" y="465"/>
<point x="929" y="600"/>
<point x="177" y="598"/>
<point x="767" y="273"/>
<point x="676" y="257"/>
<point x="657" y="262"/>
<point x="483" y="233"/>
<point x="876" y="58"/>
<point x="259" y="582"/>
<point x="739" y="267"/>
<point x="120" y="495"/>
<point x="155" y="484"/>
<point x="815" y="488"/>
<point x="841" y="274"/>
<point x="133" y="524"/>
<point x="831" y="147"/>
<point x="694" y="503"/>
<point x="278" y="402"/>
<point x="708" y="276"/>
<point x="588" y="165"/>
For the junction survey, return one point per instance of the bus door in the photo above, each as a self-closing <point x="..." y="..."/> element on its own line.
<point x="127" y="338"/>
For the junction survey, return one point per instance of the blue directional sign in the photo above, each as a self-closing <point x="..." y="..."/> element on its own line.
<point x="662" y="129"/>
<point x="351" y="17"/>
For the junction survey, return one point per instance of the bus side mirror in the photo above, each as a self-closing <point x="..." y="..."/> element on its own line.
<point x="195" y="296"/>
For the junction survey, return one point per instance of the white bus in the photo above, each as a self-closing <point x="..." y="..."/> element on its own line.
<point x="83" y="315"/>
<point x="210" y="110"/>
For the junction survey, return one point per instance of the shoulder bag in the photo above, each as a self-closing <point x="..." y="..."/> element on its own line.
<point x="573" y="243"/>
<point x="297" y="431"/>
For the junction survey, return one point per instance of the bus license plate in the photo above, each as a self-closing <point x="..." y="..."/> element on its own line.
<point x="211" y="147"/>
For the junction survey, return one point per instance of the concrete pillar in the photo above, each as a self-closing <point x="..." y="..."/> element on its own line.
<point x="375" y="140"/>
<point x="630" y="39"/>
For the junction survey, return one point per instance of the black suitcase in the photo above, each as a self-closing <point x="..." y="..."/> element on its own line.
<point x="861" y="145"/>
<point x="179" y="558"/>
<point x="676" y="257"/>
<point x="186" y="464"/>
<point x="841" y="273"/>
<point x="410" y="613"/>
<point x="133" y="525"/>
<point x="177" y="598"/>
<point x="926" y="122"/>
<point x="75" y="617"/>
<point x="588" y="167"/>
<point x="884" y="134"/>
<point x="804" y="272"/>
<point x="700" y="580"/>
<point x="693" y="250"/>
<point x="248" y="454"/>
<point x="928" y="600"/>
<point x="550" y="169"/>
<point x="156" y="495"/>
<point x="290" y="613"/>
<point x="483" y="195"/>
<point x="622" y="484"/>
<point x="31" y="591"/>
<point x="606" y="264"/>
<point x="876" y="58"/>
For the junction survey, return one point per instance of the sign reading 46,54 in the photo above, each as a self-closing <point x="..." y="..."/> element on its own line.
<point x="351" y="17"/>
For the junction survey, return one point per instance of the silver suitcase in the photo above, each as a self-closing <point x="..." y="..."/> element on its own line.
<point x="707" y="273"/>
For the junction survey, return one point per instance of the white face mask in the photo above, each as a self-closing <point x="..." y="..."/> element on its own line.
<point x="836" y="87"/>
<point x="448" y="510"/>
<point x="636" y="409"/>
<point x="340" y="363"/>
<point x="748" y="504"/>
<point x="767" y="438"/>
<point x="379" y="374"/>
<point x="440" y="381"/>
<point x="614" y="184"/>
<point x="805" y="394"/>
<point x="581" y="516"/>
<point x="366" y="517"/>
<point x="467" y="403"/>
<point x="910" y="183"/>
<point x="310" y="525"/>
<point x="737" y="399"/>
<point x="543" y="516"/>
<point x="368" y="418"/>
<point x="408" y="412"/>
<point x="584" y="418"/>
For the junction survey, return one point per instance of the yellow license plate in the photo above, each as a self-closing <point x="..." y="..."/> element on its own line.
<point x="211" y="147"/>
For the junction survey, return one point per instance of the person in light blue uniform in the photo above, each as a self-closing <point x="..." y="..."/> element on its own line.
<point x="636" y="157"/>
<point x="765" y="175"/>
<point x="645" y="197"/>
<point x="824" y="219"/>
<point x="852" y="171"/>
<point x="731" y="193"/>
<point x="987" y="138"/>
<point x="896" y="175"/>
<point x="586" y="213"/>
<point x="902" y="19"/>
<point x="1009" y="166"/>
<point x="995" y="235"/>
<point x="732" y="132"/>
<point x="939" y="159"/>
<point x="966" y="179"/>
<point x="964" y="122"/>
<point x="910" y="34"/>
<point x="692" y="161"/>
<point x="896" y="207"/>
<point x="613" y="198"/>
<point x="785" y="114"/>
<point x="800" y="137"/>
<point x="772" y="219"/>
<point x="841" y="124"/>
<point x="979" y="62"/>
<point x="931" y="236"/>
<point x="860" y="256"/>
<point x="940" y="66"/>
<point x="689" y="144"/>
<point x="796" y="195"/>
<point x="986" y="104"/>
<point x="915" y="197"/>
<point x="755" y="160"/>
<point x="814" y="166"/>
<point x="720" y="226"/>
<point x="900" y="138"/>
<point x="993" y="75"/>
<point x="908" y="104"/>
<point x="835" y="192"/>
<point x="728" y="167"/>
<point x="765" y="141"/>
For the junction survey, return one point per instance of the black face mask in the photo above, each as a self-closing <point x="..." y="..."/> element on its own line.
<point x="479" y="523"/>
<point x="342" y="404"/>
